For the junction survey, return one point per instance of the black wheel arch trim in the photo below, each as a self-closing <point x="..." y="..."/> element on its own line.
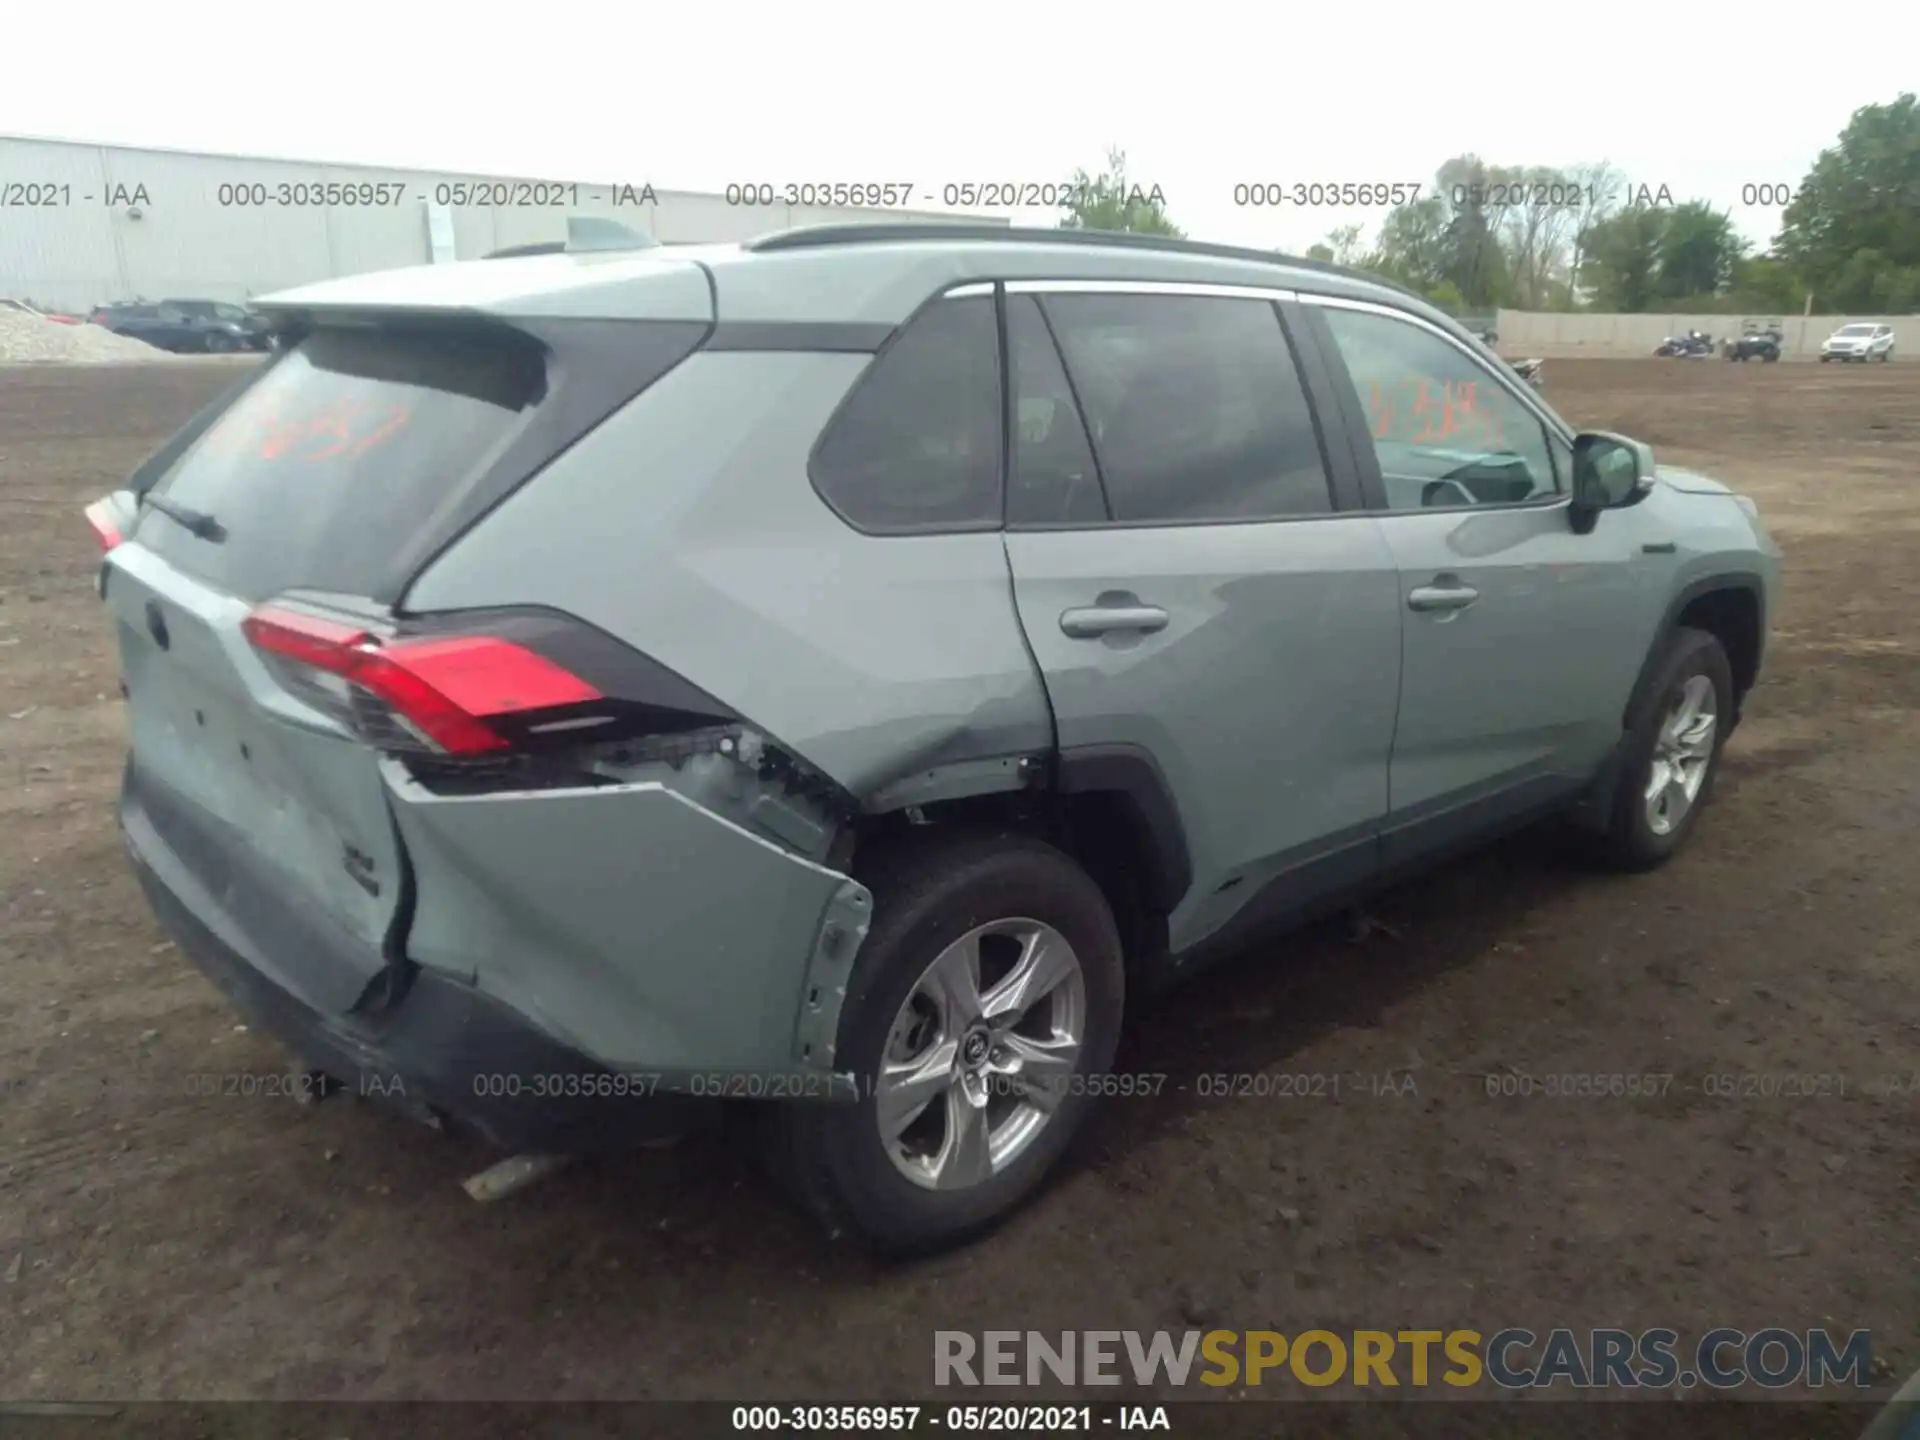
<point x="1670" y="622"/>
<point x="1132" y="773"/>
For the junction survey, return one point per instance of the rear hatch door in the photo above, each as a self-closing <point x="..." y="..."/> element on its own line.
<point x="356" y="453"/>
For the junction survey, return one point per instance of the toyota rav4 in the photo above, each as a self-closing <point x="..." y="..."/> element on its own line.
<point x="843" y="672"/>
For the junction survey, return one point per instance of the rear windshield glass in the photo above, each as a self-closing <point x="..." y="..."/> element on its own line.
<point x="326" y="470"/>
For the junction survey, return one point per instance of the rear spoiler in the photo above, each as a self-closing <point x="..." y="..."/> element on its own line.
<point x="585" y="234"/>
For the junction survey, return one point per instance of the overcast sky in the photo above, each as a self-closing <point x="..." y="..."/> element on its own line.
<point x="1201" y="95"/>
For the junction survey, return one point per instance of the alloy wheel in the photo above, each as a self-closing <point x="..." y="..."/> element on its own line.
<point x="1682" y="752"/>
<point x="981" y="1054"/>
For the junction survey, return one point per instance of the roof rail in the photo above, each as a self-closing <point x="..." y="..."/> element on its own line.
<point x="541" y="247"/>
<point x="585" y="233"/>
<point x="809" y="237"/>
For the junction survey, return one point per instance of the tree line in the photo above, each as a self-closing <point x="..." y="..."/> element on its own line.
<point x="1588" y="237"/>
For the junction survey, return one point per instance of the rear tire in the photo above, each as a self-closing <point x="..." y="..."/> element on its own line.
<point x="910" y="1190"/>
<point x="1670" y="754"/>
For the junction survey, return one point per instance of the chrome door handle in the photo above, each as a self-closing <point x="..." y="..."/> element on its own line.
<point x="1092" y="621"/>
<point x="1441" y="597"/>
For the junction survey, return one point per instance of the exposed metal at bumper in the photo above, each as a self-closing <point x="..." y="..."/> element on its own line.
<point x="638" y="927"/>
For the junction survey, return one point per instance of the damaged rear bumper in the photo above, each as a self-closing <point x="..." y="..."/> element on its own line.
<point x="584" y="969"/>
<point x="444" y="1054"/>
<point x="639" y="926"/>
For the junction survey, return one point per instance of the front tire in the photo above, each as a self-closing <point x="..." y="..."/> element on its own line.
<point x="986" y="997"/>
<point x="1670" y="753"/>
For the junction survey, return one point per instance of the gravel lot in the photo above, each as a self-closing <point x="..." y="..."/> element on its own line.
<point x="26" y="340"/>
<point x="160" y="1243"/>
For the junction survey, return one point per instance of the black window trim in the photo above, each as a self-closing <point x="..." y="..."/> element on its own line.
<point x="1343" y="481"/>
<point x="994" y="523"/>
<point x="1371" y="481"/>
<point x="1079" y="416"/>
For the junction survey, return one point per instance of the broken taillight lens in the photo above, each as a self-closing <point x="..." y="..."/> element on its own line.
<point x="442" y="694"/>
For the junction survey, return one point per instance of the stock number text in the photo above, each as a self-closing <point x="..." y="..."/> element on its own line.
<point x="893" y="1419"/>
<point x="1271" y="194"/>
<point x="851" y="193"/>
<point x="301" y="193"/>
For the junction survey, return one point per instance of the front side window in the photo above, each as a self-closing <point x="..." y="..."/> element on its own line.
<point x="1193" y="406"/>
<point x="1445" y="431"/>
<point x="916" y="447"/>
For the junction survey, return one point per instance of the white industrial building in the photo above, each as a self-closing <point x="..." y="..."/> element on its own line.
<point x="82" y="225"/>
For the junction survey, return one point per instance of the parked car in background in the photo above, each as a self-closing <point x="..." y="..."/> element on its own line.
<point x="258" y="328"/>
<point x="1862" y="341"/>
<point x="169" y="327"/>
<point x="1758" y="340"/>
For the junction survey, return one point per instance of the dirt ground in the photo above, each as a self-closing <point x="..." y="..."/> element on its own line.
<point x="156" y="1242"/>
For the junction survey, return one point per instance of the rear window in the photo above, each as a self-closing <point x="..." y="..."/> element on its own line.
<point x="334" y="464"/>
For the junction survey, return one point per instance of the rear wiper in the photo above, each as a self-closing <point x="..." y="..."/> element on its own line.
<point x="198" y="523"/>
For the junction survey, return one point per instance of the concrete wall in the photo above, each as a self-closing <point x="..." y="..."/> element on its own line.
<point x="81" y="225"/>
<point x="1547" y="335"/>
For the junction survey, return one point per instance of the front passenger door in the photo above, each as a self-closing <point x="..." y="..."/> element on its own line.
<point x="1523" y="638"/>
<point x="1194" y="590"/>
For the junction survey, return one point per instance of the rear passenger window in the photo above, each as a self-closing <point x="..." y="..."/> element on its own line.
<point x="1195" y="409"/>
<point x="917" y="445"/>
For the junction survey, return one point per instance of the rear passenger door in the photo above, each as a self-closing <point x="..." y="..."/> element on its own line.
<point x="1204" y="595"/>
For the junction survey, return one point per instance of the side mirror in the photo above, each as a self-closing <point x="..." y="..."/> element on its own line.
<point x="1608" y="471"/>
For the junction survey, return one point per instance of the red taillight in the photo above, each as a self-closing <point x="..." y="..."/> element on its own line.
<point x="100" y="517"/>
<point x="445" y="687"/>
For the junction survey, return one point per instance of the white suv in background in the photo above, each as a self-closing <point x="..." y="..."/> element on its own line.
<point x="1860" y="341"/>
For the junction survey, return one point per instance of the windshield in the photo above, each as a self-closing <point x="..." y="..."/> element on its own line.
<point x="1854" y="330"/>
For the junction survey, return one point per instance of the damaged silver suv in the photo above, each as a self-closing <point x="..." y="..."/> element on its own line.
<point x="840" y="673"/>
